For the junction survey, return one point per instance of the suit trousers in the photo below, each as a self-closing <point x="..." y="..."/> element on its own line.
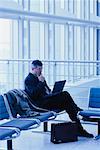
<point x="60" y="101"/>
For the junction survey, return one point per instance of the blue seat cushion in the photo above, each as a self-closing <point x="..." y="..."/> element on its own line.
<point x="25" y="123"/>
<point x="90" y="113"/>
<point x="18" y="123"/>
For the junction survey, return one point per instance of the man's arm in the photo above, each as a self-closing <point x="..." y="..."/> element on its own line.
<point x="42" y="79"/>
<point x="34" y="88"/>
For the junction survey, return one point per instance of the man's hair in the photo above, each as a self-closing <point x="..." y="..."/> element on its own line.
<point x="36" y="63"/>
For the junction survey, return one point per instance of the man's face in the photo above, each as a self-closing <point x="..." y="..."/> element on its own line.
<point x="37" y="70"/>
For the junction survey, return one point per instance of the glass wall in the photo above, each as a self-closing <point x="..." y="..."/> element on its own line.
<point x="59" y="32"/>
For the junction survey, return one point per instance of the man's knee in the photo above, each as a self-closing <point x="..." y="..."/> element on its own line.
<point x="65" y="93"/>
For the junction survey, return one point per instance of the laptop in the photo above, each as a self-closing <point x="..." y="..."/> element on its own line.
<point x="58" y="86"/>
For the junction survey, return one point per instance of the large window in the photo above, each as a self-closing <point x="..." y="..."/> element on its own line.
<point x="58" y="32"/>
<point x="5" y="38"/>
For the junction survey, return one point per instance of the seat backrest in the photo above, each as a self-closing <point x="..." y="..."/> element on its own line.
<point x="94" y="98"/>
<point x="3" y="111"/>
<point x="12" y="104"/>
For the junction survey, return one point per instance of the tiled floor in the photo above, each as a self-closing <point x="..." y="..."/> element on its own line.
<point x="29" y="140"/>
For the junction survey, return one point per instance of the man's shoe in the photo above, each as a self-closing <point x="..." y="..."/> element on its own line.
<point x="79" y="109"/>
<point x="84" y="133"/>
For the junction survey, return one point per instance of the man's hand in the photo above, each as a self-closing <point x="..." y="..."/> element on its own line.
<point x="41" y="78"/>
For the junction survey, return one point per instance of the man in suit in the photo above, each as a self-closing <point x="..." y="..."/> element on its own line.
<point x="40" y="94"/>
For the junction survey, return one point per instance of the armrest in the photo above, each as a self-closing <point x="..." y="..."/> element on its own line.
<point x="15" y="132"/>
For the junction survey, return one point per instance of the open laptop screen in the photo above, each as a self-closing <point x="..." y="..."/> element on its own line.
<point x="58" y="86"/>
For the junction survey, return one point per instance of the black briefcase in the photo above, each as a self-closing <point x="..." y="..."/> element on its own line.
<point x="64" y="132"/>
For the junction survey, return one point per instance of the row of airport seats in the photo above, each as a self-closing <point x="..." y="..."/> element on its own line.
<point x="92" y="114"/>
<point x="13" y="125"/>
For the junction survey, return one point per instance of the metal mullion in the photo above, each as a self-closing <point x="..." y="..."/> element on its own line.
<point x="39" y="24"/>
<point x="54" y="7"/>
<point x="46" y="6"/>
<point x="12" y="72"/>
<point x="53" y="41"/>
<point x="65" y="50"/>
<point x="18" y="49"/>
<point x="28" y="37"/>
<point x="62" y="49"/>
<point x="73" y="51"/>
<point x="74" y="5"/>
<point x="46" y="47"/>
<point x="22" y="27"/>
<point x="75" y="46"/>
<point x="46" y="37"/>
<point x="95" y="7"/>
<point x="29" y="5"/>
<point x="89" y="9"/>
<point x="23" y="3"/>
<point x="21" y="47"/>
<point x="19" y="1"/>
<point x="86" y="11"/>
<point x="80" y="49"/>
<point x="89" y="51"/>
<point x="95" y="50"/>
<point x="84" y="52"/>
<point x="68" y="5"/>
<point x="82" y="3"/>
<point x="68" y="56"/>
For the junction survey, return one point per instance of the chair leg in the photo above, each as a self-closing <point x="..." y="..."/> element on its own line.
<point x="45" y="126"/>
<point x="9" y="145"/>
<point x="98" y="127"/>
<point x="98" y="136"/>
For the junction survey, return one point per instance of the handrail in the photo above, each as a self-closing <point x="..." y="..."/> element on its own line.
<point x="54" y="61"/>
<point x="82" y="71"/>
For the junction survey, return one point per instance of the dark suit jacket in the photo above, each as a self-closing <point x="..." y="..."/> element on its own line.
<point x="35" y="88"/>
